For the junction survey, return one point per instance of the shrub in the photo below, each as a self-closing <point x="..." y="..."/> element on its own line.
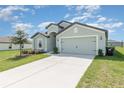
<point x="24" y="52"/>
<point x="55" y="50"/>
<point x="32" y="52"/>
<point x="100" y="52"/>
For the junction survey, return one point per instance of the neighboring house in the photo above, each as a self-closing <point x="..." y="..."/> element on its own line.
<point x="5" y="44"/>
<point x="115" y="43"/>
<point x="74" y="38"/>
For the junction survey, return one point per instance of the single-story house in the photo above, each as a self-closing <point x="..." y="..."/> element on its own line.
<point x="113" y="43"/>
<point x="6" y="44"/>
<point x="73" y="38"/>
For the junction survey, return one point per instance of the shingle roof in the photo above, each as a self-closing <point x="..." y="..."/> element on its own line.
<point x="58" y="24"/>
<point x="5" y="39"/>
<point x="63" y="21"/>
<point x="38" y="33"/>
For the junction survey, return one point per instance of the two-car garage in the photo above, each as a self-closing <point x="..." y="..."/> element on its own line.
<point x="79" y="45"/>
<point x="81" y="39"/>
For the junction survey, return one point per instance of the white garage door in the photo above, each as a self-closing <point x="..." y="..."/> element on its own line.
<point x="82" y="45"/>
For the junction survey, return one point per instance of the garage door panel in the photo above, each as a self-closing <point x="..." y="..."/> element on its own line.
<point x="84" y="45"/>
<point x="67" y="44"/>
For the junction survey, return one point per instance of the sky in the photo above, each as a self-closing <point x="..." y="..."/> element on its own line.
<point x="34" y="19"/>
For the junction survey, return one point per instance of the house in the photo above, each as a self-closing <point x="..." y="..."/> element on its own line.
<point x="113" y="43"/>
<point x="5" y="44"/>
<point x="74" y="38"/>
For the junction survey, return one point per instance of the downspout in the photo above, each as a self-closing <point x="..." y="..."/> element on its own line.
<point x="34" y="44"/>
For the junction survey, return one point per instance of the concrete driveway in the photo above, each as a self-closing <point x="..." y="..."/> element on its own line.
<point x="56" y="71"/>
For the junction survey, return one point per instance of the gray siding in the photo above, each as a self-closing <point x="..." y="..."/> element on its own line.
<point x="51" y="43"/>
<point x="36" y="42"/>
<point x="53" y="28"/>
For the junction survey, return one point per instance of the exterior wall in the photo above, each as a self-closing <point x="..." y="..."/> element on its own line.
<point x="78" y="30"/>
<point x="64" y="24"/>
<point x="35" y="43"/>
<point x="5" y="46"/>
<point x="53" y="28"/>
<point x="51" y="43"/>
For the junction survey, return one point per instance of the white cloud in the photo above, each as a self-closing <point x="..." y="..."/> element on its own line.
<point x="91" y="8"/>
<point x="101" y="19"/>
<point x="33" y="12"/>
<point x="111" y="27"/>
<point x="118" y="24"/>
<point x="42" y="25"/>
<point x="22" y="26"/>
<point x="7" y="12"/>
<point x="83" y="13"/>
<point x="39" y="6"/>
<point x="103" y="26"/>
<point x="87" y="9"/>
<point x="82" y="18"/>
<point x="77" y="19"/>
<point x="67" y="15"/>
<point x="70" y="7"/>
<point x="80" y="7"/>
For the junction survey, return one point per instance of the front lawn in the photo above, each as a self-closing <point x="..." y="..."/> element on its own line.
<point x="105" y="72"/>
<point x="7" y="54"/>
<point x="12" y="62"/>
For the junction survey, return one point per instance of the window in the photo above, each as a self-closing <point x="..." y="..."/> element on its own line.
<point x="40" y="43"/>
<point x="10" y="46"/>
<point x="22" y="45"/>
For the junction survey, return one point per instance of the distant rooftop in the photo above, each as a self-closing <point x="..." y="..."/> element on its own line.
<point x="7" y="39"/>
<point x="114" y="41"/>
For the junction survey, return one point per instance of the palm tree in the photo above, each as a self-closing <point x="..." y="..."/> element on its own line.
<point x="20" y="38"/>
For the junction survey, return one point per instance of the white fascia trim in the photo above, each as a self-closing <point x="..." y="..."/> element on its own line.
<point x="45" y="44"/>
<point x="60" y="44"/>
<point x="96" y="36"/>
<point x="97" y="45"/>
<point x="33" y="44"/>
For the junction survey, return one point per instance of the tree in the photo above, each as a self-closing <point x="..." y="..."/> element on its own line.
<point x="20" y="38"/>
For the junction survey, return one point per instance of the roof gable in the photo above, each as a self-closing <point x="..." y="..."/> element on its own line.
<point x="38" y="33"/>
<point x="6" y="39"/>
<point x="63" y="21"/>
<point x="92" y="27"/>
<point x="51" y="25"/>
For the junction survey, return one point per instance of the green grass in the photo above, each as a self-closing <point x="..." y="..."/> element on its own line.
<point x="6" y="54"/>
<point x="16" y="61"/>
<point x="105" y="72"/>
